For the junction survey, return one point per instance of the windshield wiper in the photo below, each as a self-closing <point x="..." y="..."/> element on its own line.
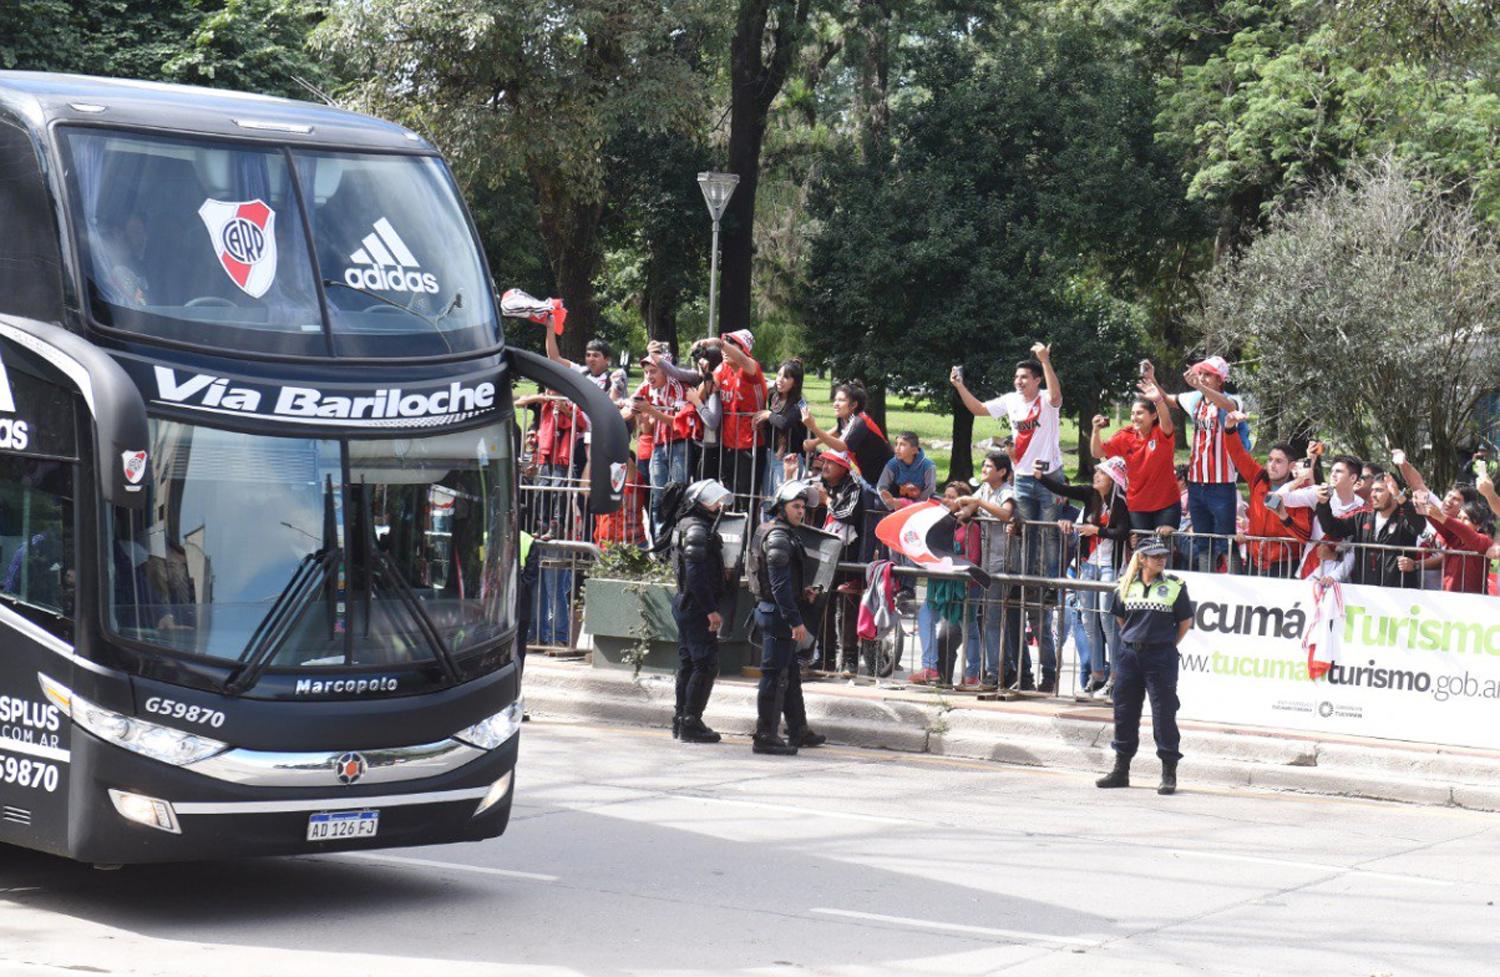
<point x="331" y="282"/>
<point x="404" y="593"/>
<point x="273" y="630"/>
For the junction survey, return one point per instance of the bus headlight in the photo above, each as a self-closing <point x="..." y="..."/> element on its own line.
<point x="489" y="733"/>
<point x="145" y="810"/>
<point x="175" y="746"/>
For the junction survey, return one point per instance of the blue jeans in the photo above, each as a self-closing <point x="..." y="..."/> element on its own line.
<point x="1094" y="628"/>
<point x="554" y="619"/>
<point x="1035" y="504"/>
<point x="1212" y="508"/>
<point x="669" y="463"/>
<point x="552" y="622"/>
<point x="995" y="621"/>
<point x="927" y="622"/>
<point x="1017" y="655"/>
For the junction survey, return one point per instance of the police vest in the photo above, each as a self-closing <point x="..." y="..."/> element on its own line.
<point x="1159" y="595"/>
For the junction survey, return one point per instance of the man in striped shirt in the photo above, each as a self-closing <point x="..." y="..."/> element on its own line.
<point x="1212" y="497"/>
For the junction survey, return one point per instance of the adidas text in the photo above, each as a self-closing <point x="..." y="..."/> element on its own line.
<point x="391" y="280"/>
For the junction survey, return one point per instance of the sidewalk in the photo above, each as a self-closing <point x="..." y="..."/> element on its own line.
<point x="1039" y="733"/>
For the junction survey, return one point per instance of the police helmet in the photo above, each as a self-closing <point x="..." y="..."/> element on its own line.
<point x="706" y="493"/>
<point x="790" y="491"/>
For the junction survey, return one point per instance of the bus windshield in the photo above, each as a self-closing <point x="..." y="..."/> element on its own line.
<point x="273" y="249"/>
<point x="316" y="553"/>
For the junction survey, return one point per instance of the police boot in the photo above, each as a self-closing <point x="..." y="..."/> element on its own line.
<point x="683" y="677"/>
<point x="797" y="732"/>
<point x="693" y="729"/>
<point x="1119" y="776"/>
<point x="1168" y="777"/>
<point x="802" y="736"/>
<point x="768" y="720"/>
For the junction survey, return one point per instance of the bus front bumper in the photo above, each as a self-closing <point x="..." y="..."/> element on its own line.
<point x="115" y="812"/>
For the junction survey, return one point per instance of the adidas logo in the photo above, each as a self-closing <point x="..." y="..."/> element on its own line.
<point x="14" y="432"/>
<point x="385" y="263"/>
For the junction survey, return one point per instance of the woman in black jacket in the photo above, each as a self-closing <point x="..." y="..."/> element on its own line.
<point x="784" y="431"/>
<point x="1103" y="533"/>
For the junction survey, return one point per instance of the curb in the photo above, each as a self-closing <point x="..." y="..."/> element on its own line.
<point x="1058" y="738"/>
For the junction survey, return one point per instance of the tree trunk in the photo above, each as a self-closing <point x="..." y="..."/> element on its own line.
<point x="756" y="76"/>
<point x="961" y="467"/>
<point x="570" y="234"/>
<point x="875" y="406"/>
<point x="659" y="309"/>
<point x="1085" y="431"/>
<point x="872" y="104"/>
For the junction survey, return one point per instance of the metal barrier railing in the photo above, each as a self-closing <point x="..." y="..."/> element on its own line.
<point x="1044" y="593"/>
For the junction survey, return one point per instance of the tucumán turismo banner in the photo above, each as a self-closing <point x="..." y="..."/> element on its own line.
<point x="1422" y="666"/>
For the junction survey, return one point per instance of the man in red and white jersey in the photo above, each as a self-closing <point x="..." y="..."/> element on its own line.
<point x="659" y="407"/>
<point x="1212" y="498"/>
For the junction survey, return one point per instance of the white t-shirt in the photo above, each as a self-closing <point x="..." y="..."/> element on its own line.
<point x="1307" y="498"/>
<point x="1035" y="425"/>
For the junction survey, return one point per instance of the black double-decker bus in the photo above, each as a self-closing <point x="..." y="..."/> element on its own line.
<point x="258" y="533"/>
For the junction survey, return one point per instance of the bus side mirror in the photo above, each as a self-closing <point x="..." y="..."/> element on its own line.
<point x="121" y="436"/>
<point x="609" y="442"/>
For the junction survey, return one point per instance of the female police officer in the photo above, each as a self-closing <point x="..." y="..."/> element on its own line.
<point x="1153" y="611"/>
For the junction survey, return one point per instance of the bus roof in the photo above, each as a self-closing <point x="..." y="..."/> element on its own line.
<point x="40" y="98"/>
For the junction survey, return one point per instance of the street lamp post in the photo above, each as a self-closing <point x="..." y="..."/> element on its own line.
<point x="717" y="189"/>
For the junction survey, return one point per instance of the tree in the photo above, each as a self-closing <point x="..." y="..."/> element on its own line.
<point x="537" y="88"/>
<point x="254" y="46"/>
<point x="656" y="215"/>
<point x="766" y="39"/>
<point x="1302" y="89"/>
<point x="1018" y="161"/>
<point x="247" y="45"/>
<point x="1369" y="311"/>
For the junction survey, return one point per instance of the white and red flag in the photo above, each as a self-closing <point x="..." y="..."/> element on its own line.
<point x="923" y="533"/>
<point x="517" y="304"/>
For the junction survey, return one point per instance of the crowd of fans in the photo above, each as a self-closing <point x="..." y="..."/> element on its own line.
<point x="1297" y="514"/>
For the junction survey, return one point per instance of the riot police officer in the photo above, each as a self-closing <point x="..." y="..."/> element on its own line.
<point x="699" y="559"/>
<point x="776" y="566"/>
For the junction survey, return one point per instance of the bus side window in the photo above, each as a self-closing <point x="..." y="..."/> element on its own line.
<point x="36" y="540"/>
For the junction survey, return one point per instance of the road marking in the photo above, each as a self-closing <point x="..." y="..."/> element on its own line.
<point x="455" y="866"/>
<point x="793" y="809"/>
<point x="1314" y="866"/>
<point x="1017" y="935"/>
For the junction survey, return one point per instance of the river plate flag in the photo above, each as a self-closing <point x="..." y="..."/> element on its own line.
<point x="516" y="304"/>
<point x="923" y="533"/>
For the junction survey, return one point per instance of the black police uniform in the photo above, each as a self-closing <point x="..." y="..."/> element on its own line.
<point x="1148" y="665"/>
<point x="776" y="564"/>
<point x="700" y="590"/>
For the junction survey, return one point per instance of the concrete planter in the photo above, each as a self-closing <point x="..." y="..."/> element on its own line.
<point x="619" y="613"/>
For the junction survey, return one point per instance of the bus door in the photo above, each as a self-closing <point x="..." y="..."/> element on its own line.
<point x="39" y="496"/>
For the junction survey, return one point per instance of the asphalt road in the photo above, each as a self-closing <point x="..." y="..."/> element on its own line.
<point x="629" y="854"/>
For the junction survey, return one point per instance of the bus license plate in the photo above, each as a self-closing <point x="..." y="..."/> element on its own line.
<point x="346" y="824"/>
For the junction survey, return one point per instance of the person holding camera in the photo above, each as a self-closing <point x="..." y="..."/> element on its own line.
<point x="1212" y="501"/>
<point x="1147" y="444"/>
<point x="1393" y="524"/>
<point x="1153" y="612"/>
